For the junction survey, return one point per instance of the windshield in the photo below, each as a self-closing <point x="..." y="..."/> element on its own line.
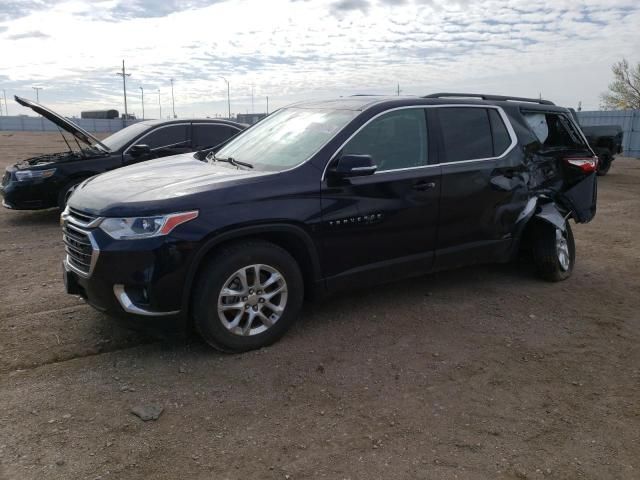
<point x="123" y="137"/>
<point x="286" y="138"/>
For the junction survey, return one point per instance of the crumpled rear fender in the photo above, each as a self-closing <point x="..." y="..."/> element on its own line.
<point x="538" y="208"/>
<point x="550" y="213"/>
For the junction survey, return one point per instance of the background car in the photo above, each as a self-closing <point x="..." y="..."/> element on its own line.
<point x="47" y="180"/>
<point x="605" y="140"/>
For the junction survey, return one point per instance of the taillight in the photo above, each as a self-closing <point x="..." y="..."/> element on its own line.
<point x="586" y="164"/>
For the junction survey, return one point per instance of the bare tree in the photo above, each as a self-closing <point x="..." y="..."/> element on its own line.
<point x="624" y="91"/>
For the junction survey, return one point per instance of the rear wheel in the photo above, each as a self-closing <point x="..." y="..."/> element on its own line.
<point x="554" y="251"/>
<point x="248" y="296"/>
<point x="604" y="165"/>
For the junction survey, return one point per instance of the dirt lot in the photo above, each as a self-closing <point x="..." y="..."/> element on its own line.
<point x="479" y="373"/>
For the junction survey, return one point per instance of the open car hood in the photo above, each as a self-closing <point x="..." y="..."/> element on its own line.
<point x="62" y="122"/>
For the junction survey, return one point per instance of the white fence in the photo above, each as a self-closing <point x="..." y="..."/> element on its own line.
<point x="629" y="120"/>
<point x="40" y="124"/>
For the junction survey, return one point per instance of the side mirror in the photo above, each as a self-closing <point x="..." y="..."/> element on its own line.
<point x="139" y="150"/>
<point x="354" y="166"/>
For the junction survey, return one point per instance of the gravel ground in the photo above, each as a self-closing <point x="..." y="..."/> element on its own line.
<point x="478" y="373"/>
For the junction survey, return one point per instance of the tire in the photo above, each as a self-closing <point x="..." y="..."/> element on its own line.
<point x="554" y="253"/>
<point x="604" y="166"/>
<point x="222" y="320"/>
<point x="66" y="191"/>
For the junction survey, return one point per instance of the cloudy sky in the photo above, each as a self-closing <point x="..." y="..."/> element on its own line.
<point x="298" y="49"/>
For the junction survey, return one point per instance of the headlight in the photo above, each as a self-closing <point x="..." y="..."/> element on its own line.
<point x="23" y="175"/>
<point x="132" y="228"/>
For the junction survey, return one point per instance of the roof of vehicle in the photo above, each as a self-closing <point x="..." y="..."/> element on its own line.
<point x="364" y="102"/>
<point x="153" y="123"/>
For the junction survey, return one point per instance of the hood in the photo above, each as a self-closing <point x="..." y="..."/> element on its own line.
<point x="62" y="122"/>
<point x="43" y="161"/>
<point x="154" y="184"/>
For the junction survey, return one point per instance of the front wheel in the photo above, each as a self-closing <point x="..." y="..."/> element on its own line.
<point x="248" y="296"/>
<point x="66" y="191"/>
<point x="554" y="251"/>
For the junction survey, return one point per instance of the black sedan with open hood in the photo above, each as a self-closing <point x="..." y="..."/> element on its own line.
<point x="47" y="181"/>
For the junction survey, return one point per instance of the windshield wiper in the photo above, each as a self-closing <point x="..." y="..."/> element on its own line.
<point x="232" y="161"/>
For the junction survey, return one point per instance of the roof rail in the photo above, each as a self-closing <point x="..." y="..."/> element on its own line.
<point x="498" y="98"/>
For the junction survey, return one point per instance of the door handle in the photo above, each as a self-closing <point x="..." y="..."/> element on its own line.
<point x="422" y="186"/>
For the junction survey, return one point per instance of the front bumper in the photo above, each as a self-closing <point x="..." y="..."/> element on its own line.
<point x="29" y="195"/>
<point x="132" y="279"/>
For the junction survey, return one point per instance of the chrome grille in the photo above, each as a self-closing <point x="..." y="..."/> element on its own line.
<point x="78" y="217"/>
<point x="79" y="249"/>
<point x="82" y="251"/>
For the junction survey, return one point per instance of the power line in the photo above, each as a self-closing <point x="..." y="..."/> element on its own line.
<point x="228" y="96"/>
<point x="173" y="102"/>
<point x="124" y="76"/>
<point x="142" y="93"/>
<point x="37" y="89"/>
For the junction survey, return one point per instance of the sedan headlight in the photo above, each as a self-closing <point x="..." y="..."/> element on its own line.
<point x="24" y="175"/>
<point x="132" y="228"/>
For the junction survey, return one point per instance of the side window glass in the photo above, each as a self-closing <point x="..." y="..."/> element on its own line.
<point x="466" y="133"/>
<point x="394" y="140"/>
<point x="501" y="139"/>
<point x="205" y="136"/>
<point x="173" y="135"/>
<point x="554" y="131"/>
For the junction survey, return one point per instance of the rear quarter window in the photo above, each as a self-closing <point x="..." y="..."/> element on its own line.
<point x="554" y="131"/>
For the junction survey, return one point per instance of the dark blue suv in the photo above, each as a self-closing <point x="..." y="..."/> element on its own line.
<point x="326" y="195"/>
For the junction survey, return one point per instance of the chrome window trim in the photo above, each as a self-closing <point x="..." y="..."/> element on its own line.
<point x="154" y="131"/>
<point x="501" y="112"/>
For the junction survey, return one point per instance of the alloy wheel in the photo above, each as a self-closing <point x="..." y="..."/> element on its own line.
<point x="562" y="250"/>
<point x="252" y="300"/>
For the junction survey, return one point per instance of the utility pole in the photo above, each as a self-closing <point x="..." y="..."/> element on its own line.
<point x="398" y="90"/>
<point x="37" y="89"/>
<point x="159" y="106"/>
<point x="252" y="109"/>
<point x="124" y="76"/>
<point x="6" y="107"/>
<point x="142" y="93"/>
<point x="173" y="102"/>
<point x="580" y="106"/>
<point x="267" y="104"/>
<point x="228" y="97"/>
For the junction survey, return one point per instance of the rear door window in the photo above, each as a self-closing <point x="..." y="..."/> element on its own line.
<point x="466" y="133"/>
<point x="209" y="135"/>
<point x="554" y="131"/>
